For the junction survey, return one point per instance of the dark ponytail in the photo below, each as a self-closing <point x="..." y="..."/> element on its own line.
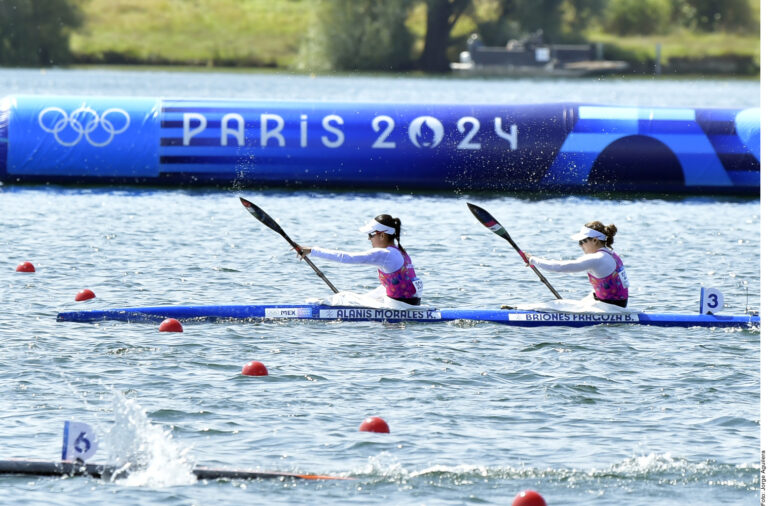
<point x="395" y="223"/>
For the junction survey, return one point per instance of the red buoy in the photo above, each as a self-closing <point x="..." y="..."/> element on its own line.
<point x="255" y="369"/>
<point x="529" y="498"/>
<point x="84" y="295"/>
<point x="171" y="325"/>
<point x="374" y="424"/>
<point x="25" y="267"/>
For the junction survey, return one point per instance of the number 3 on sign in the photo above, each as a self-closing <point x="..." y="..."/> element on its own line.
<point x="711" y="300"/>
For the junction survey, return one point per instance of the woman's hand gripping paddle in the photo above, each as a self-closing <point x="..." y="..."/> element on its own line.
<point x="494" y="226"/>
<point x="267" y="220"/>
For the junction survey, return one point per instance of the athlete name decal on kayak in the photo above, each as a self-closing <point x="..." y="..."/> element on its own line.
<point x="287" y="312"/>
<point x="380" y="314"/>
<point x="574" y="317"/>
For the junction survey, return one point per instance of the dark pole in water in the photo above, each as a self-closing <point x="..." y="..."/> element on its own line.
<point x="67" y="468"/>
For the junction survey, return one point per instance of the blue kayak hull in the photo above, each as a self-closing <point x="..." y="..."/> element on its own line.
<point x="424" y="315"/>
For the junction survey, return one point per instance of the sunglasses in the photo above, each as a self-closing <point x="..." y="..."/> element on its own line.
<point x="372" y="234"/>
<point x="581" y="242"/>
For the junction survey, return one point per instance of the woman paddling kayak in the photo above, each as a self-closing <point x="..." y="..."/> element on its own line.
<point x="396" y="273"/>
<point x="604" y="267"/>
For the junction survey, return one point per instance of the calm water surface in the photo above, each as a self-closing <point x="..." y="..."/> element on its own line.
<point x="601" y="416"/>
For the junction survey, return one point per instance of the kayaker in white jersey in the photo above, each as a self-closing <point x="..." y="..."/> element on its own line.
<point x="604" y="267"/>
<point x="396" y="273"/>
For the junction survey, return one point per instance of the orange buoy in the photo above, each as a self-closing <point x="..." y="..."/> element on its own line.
<point x="171" y="325"/>
<point x="374" y="424"/>
<point x="255" y="369"/>
<point x="84" y="295"/>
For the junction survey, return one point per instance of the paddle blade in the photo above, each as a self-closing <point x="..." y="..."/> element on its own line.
<point x="263" y="217"/>
<point x="494" y="226"/>
<point x="267" y="220"/>
<point x="489" y="221"/>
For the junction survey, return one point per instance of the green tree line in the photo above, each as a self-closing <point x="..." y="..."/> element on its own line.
<point x="400" y="34"/>
<point x="36" y="32"/>
<point x="496" y="22"/>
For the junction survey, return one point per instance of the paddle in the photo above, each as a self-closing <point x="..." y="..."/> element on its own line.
<point x="494" y="226"/>
<point x="266" y="219"/>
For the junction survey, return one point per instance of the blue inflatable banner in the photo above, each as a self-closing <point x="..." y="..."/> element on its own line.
<point x="560" y="147"/>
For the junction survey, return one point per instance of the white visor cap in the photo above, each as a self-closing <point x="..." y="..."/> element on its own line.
<point x="374" y="226"/>
<point x="586" y="233"/>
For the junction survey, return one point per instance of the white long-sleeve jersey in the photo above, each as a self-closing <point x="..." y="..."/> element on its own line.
<point x="386" y="259"/>
<point x="600" y="264"/>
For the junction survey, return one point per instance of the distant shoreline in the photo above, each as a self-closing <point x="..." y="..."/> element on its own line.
<point x="149" y="67"/>
<point x="709" y="65"/>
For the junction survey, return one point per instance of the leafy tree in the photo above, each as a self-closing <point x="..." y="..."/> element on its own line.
<point x="643" y="17"/>
<point x="578" y="15"/>
<point x="711" y="15"/>
<point x="544" y="15"/>
<point x="558" y="20"/>
<point x="36" y="32"/>
<point x="359" y="35"/>
<point x="442" y="15"/>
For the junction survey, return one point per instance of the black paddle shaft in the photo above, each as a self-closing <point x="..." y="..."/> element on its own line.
<point x="494" y="226"/>
<point x="267" y="220"/>
<point x="72" y="468"/>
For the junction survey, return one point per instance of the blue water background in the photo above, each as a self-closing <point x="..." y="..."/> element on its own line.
<point x="600" y="416"/>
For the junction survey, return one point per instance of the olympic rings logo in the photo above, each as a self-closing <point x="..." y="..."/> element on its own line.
<point x="83" y="122"/>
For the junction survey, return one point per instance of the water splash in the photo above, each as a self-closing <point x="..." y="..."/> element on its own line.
<point x="653" y="468"/>
<point x="387" y="466"/>
<point x="145" y="451"/>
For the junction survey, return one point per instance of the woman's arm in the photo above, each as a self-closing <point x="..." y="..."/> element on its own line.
<point x="600" y="264"/>
<point x="380" y="257"/>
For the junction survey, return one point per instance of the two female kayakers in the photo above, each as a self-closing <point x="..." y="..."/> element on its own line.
<point x="396" y="273"/>
<point x="604" y="267"/>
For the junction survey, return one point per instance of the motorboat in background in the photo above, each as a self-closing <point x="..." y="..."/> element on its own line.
<point x="531" y="57"/>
